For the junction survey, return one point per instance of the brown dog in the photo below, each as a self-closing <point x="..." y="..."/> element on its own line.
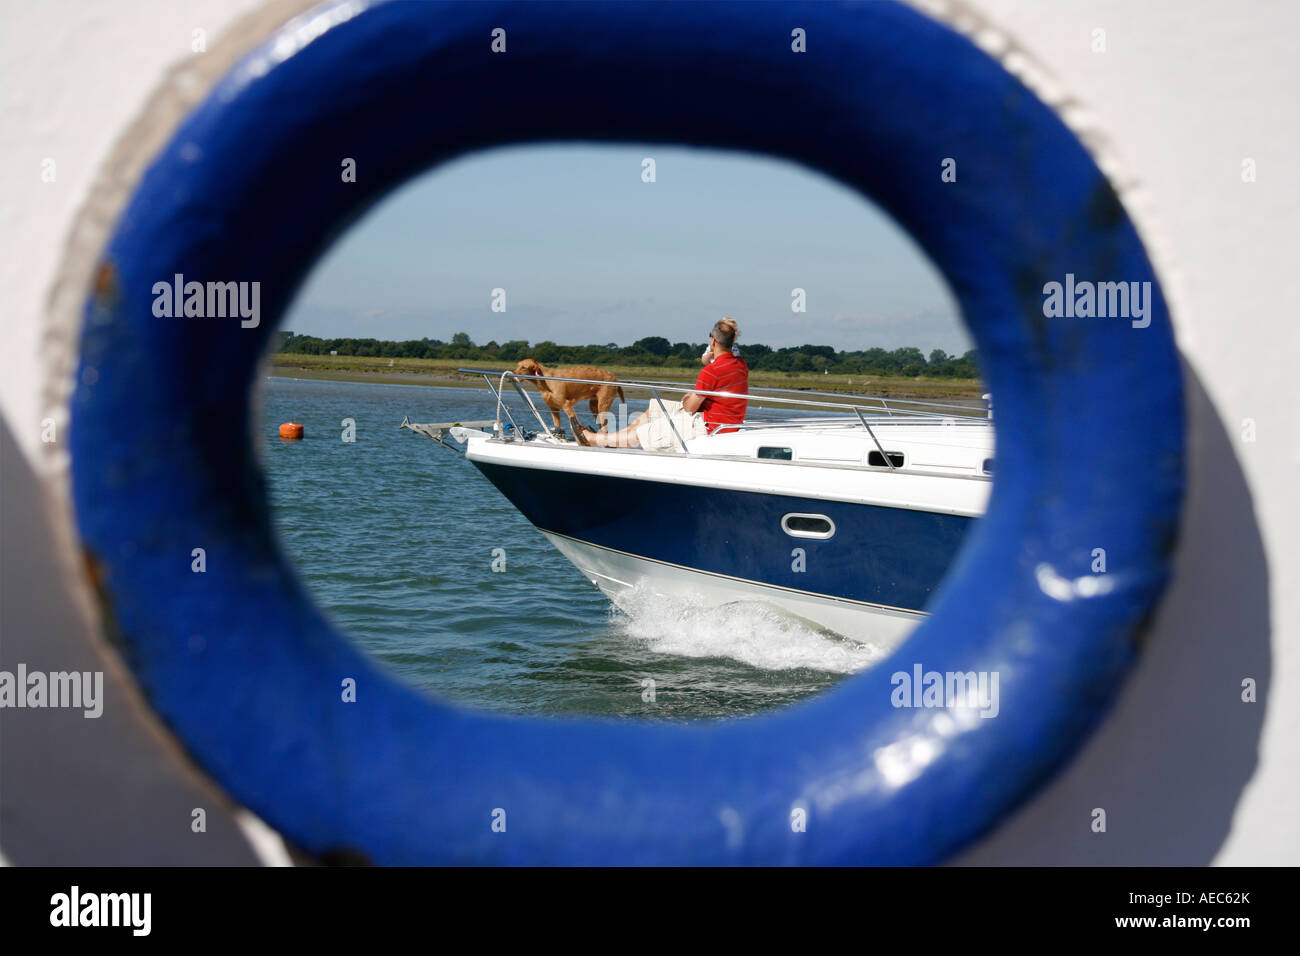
<point x="560" y="396"/>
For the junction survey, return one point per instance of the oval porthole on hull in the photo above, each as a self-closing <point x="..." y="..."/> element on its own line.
<point x="808" y="526"/>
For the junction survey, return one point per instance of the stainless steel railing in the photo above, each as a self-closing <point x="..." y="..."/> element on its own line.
<point x="761" y="396"/>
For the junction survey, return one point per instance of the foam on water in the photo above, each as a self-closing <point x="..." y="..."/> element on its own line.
<point x="752" y="633"/>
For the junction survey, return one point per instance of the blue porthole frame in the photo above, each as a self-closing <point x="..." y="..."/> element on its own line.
<point x="247" y="672"/>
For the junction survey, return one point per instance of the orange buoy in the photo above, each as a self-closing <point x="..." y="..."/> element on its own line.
<point x="291" y="431"/>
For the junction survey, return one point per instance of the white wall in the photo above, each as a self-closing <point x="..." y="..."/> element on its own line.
<point x="73" y="74"/>
<point x="1184" y="92"/>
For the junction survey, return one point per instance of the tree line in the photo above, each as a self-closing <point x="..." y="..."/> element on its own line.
<point x="652" y="351"/>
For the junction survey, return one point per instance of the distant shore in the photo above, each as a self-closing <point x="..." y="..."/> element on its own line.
<point x="380" y="371"/>
<point x="378" y="377"/>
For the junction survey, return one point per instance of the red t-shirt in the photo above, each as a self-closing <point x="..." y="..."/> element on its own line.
<point x="726" y="373"/>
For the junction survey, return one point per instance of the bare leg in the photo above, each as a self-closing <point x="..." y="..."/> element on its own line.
<point x="576" y="425"/>
<point x="623" y="439"/>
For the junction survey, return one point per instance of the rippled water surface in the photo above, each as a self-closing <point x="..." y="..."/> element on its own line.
<point x="394" y="536"/>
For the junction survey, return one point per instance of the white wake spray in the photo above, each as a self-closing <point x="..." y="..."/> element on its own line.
<point x="749" y="632"/>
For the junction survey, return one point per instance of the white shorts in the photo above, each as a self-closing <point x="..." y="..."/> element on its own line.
<point x="655" y="434"/>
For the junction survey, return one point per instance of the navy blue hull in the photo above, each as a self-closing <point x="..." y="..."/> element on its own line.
<point x="884" y="556"/>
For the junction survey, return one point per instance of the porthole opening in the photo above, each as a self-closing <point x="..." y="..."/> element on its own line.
<point x="546" y="594"/>
<point x="808" y="526"/>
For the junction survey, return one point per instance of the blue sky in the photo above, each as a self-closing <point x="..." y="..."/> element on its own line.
<point x="588" y="253"/>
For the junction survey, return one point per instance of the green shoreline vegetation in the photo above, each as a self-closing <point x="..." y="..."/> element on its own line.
<point x="904" y="372"/>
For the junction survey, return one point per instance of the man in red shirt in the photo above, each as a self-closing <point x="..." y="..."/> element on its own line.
<point x="695" y="415"/>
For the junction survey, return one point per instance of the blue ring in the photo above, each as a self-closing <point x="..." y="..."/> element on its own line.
<point x="247" y="672"/>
